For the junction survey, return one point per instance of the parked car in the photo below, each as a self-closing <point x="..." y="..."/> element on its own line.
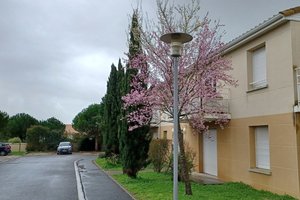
<point x="9" y="147"/>
<point x="64" y="148"/>
<point x="5" y="149"/>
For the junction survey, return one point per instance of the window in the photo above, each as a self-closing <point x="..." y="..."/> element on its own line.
<point x="260" y="148"/>
<point x="165" y="135"/>
<point x="258" y="68"/>
<point x="297" y="76"/>
<point x="262" y="151"/>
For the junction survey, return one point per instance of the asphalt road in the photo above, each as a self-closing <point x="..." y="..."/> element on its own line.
<point x="50" y="177"/>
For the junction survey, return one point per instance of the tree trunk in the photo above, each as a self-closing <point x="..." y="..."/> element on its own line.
<point x="183" y="162"/>
<point x="96" y="142"/>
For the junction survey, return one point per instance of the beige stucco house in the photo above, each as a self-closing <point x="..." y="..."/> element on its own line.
<point x="70" y="131"/>
<point x="261" y="144"/>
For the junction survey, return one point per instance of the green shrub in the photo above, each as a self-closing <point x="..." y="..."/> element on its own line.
<point x="113" y="159"/>
<point x="159" y="153"/>
<point x="41" y="138"/>
<point x="190" y="157"/>
<point x="36" y="138"/>
<point x="101" y="155"/>
<point x="14" y="140"/>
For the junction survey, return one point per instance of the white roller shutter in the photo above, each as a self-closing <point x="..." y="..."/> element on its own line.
<point x="259" y="72"/>
<point x="262" y="150"/>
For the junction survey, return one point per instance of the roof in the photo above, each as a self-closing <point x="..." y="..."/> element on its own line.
<point x="267" y="25"/>
<point x="290" y="11"/>
<point x="69" y="129"/>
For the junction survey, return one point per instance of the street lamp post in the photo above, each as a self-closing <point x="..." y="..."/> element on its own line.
<point x="176" y="40"/>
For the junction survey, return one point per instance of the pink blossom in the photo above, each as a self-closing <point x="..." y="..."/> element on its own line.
<point x="202" y="73"/>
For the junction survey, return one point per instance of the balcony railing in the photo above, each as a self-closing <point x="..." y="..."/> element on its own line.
<point x="297" y="76"/>
<point x="219" y="104"/>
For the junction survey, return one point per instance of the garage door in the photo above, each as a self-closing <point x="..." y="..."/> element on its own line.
<point x="210" y="164"/>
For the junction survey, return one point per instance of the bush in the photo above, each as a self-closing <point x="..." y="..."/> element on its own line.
<point x="53" y="139"/>
<point x="159" y="153"/>
<point x="40" y="138"/>
<point x="36" y="137"/>
<point x="113" y="159"/>
<point x="190" y="157"/>
<point x="101" y="155"/>
<point x="14" y="140"/>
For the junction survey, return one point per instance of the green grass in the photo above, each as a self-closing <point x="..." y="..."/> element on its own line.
<point x="102" y="162"/>
<point x="154" y="186"/>
<point x="17" y="153"/>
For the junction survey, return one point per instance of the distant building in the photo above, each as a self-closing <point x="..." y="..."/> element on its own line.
<point x="70" y="131"/>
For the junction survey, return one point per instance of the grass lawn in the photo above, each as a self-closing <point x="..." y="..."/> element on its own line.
<point x="17" y="153"/>
<point x="155" y="186"/>
<point x="102" y="162"/>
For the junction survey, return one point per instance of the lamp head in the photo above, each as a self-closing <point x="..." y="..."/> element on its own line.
<point x="176" y="40"/>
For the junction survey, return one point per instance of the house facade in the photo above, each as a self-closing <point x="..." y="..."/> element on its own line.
<point x="70" y="131"/>
<point x="260" y="144"/>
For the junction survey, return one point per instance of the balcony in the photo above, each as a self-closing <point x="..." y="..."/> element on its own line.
<point x="297" y="76"/>
<point x="220" y="105"/>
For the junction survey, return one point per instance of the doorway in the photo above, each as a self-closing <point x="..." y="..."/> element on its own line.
<point x="210" y="159"/>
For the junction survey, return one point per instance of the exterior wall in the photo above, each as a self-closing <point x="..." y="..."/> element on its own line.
<point x="295" y="27"/>
<point x="272" y="106"/>
<point x="234" y="154"/>
<point x="154" y="132"/>
<point x="166" y="127"/>
<point x="234" y="146"/>
<point x="191" y="139"/>
<point x="278" y="97"/>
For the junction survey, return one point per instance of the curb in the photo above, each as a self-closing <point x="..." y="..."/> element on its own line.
<point x="80" y="191"/>
<point x="114" y="181"/>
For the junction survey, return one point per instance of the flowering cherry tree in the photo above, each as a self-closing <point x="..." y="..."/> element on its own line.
<point x="202" y="73"/>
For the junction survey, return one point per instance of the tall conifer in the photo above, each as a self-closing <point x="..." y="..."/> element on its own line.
<point x="111" y="113"/>
<point x="134" y="144"/>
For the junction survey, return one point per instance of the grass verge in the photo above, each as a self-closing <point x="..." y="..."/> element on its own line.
<point x="158" y="186"/>
<point x="106" y="165"/>
<point x="18" y="153"/>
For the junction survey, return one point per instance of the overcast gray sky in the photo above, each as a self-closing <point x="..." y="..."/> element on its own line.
<point x="55" y="55"/>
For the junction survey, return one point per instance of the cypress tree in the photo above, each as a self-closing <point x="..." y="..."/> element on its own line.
<point x="111" y="113"/>
<point x="134" y="145"/>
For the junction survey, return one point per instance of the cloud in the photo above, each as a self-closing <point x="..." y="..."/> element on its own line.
<point x="55" y="55"/>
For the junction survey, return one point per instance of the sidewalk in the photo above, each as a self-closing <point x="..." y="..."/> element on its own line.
<point x="97" y="185"/>
<point x="7" y="158"/>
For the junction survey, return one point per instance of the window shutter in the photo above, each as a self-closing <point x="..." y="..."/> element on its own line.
<point x="259" y="71"/>
<point x="262" y="147"/>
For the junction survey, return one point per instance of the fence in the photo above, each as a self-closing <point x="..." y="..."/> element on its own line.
<point x="17" y="147"/>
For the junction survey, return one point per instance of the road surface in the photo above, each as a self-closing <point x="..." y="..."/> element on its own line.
<point x="39" y="177"/>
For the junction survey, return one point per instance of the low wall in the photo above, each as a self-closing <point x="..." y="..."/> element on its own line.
<point x="18" y="147"/>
